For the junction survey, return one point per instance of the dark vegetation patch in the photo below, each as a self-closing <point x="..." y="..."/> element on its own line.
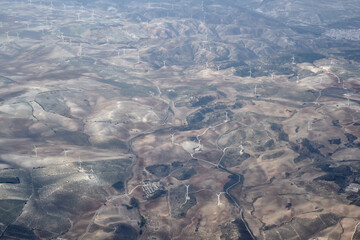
<point x="110" y="171"/>
<point x="157" y="194"/>
<point x="206" y="116"/>
<point x="10" y="180"/>
<point x="304" y="227"/>
<point x="233" y="158"/>
<point x="19" y="232"/>
<point x="341" y="175"/>
<point x="336" y="123"/>
<point x="237" y="105"/>
<point x="5" y="81"/>
<point x="301" y="57"/>
<point x="159" y="170"/>
<point x="125" y="232"/>
<point x="272" y="156"/>
<point x="119" y="186"/>
<point x="307" y="149"/>
<point x="234" y="181"/>
<point x="201" y="101"/>
<point x="10" y="209"/>
<point x="235" y="230"/>
<point x="297" y="95"/>
<point x="52" y="102"/>
<point x="270" y="144"/>
<point x="283" y="136"/>
<point x="112" y="144"/>
<point x="176" y="164"/>
<point x="131" y="90"/>
<point x="354" y="199"/>
<point x="184" y="173"/>
<point x="134" y="202"/>
<point x="336" y="141"/>
<point x="74" y="138"/>
<point x="177" y="201"/>
<point x="351" y="138"/>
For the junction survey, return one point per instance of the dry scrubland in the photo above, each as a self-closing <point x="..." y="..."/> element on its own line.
<point x="98" y="106"/>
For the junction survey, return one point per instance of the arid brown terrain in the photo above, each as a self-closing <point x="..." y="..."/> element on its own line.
<point x="179" y="120"/>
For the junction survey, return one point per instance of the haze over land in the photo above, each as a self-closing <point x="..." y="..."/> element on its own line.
<point x="179" y="119"/>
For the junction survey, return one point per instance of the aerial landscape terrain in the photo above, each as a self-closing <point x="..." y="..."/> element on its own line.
<point x="164" y="119"/>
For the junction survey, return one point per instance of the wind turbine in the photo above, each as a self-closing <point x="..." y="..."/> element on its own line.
<point x="255" y="89"/>
<point x="79" y="53"/>
<point x="250" y="72"/>
<point x="35" y="150"/>
<point x="293" y="59"/>
<point x="347" y="95"/>
<point x="218" y="198"/>
<point x="7" y="37"/>
<point x="93" y="15"/>
<point x="241" y="152"/>
<point x="187" y="193"/>
<point x="172" y="138"/>
<point x="65" y="153"/>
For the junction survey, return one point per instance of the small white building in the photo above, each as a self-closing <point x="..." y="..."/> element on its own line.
<point x="353" y="187"/>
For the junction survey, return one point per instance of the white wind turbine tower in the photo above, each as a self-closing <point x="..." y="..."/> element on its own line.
<point x="35" y="150"/>
<point x="241" y="152"/>
<point x="250" y="72"/>
<point x="80" y="167"/>
<point x="93" y="15"/>
<point x="218" y="198"/>
<point x="348" y="95"/>
<point x="187" y="193"/>
<point x="293" y="59"/>
<point x="79" y="53"/>
<point x="7" y="37"/>
<point x="172" y="138"/>
<point x="65" y="153"/>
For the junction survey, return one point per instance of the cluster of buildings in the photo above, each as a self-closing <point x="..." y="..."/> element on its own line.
<point x="152" y="188"/>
